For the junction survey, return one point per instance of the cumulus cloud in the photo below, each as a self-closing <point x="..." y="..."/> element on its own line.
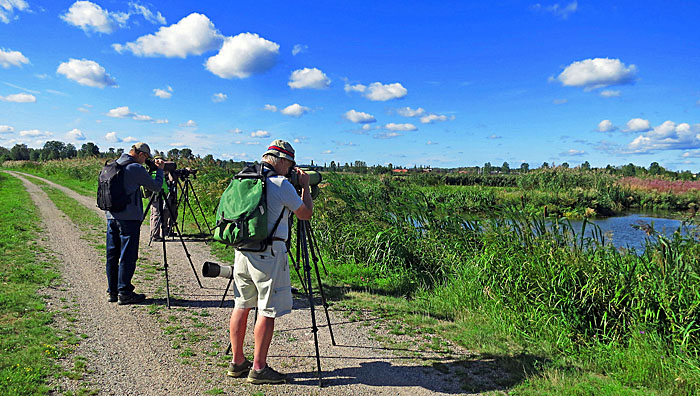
<point x="606" y="126"/>
<point x="236" y="130"/>
<point x="189" y="124"/>
<point x="125" y="112"/>
<point x="572" y="152"/>
<point x="409" y="112"/>
<point x="166" y="93"/>
<point x="35" y="133"/>
<point x="12" y="58"/>
<point x="387" y="135"/>
<point x="366" y="127"/>
<point x="8" y="7"/>
<point x="562" y="11"/>
<point x="597" y="73"/>
<point x="6" y="129"/>
<point x="295" y="110"/>
<point x="19" y="98"/>
<point x="112" y="137"/>
<point x="359" y="117"/>
<point x="309" y="78"/>
<point x="243" y="55"/>
<point x="609" y="93"/>
<point x="431" y="118"/>
<point x="192" y="35"/>
<point x="75" y="134"/>
<point x="130" y="139"/>
<point x="90" y="17"/>
<point x="86" y="72"/>
<point x="667" y="136"/>
<point x="299" y="48"/>
<point x="219" y="97"/>
<point x="400" y="127"/>
<point x="637" y="125"/>
<point x="260" y="134"/>
<point x="378" y="92"/>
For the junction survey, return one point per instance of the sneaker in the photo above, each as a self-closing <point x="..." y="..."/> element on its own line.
<point x="112" y="297"/>
<point x="238" y="370"/>
<point x="131" y="298"/>
<point x="266" y="376"/>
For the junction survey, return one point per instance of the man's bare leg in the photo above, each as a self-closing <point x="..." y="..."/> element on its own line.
<point x="263" y="337"/>
<point x="237" y="327"/>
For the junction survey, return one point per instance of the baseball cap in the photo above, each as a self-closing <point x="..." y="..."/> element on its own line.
<point x="143" y="147"/>
<point x="282" y="149"/>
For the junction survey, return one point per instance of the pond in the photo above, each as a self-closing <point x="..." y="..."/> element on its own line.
<point x="620" y="232"/>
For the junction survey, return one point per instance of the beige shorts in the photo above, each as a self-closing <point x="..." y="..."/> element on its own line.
<point x="262" y="280"/>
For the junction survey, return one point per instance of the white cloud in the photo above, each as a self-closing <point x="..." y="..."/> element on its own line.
<point x="120" y="112"/>
<point x="130" y="139"/>
<point x="298" y="48"/>
<point x="387" y="135"/>
<point x="430" y="143"/>
<point x="383" y="92"/>
<point x="606" y="126"/>
<point x="6" y="129"/>
<point x="165" y="121"/>
<point x="327" y="152"/>
<point x="112" y="137"/>
<point x="355" y="88"/>
<point x="260" y="134"/>
<point x="409" y="112"/>
<point x="309" y="78"/>
<point x="562" y="11"/>
<point x="692" y="154"/>
<point x="219" y="97"/>
<point x="86" y="72"/>
<point x="359" y="117"/>
<point x="243" y="55"/>
<point x="295" y="110"/>
<point x="34" y="133"/>
<point x="494" y="137"/>
<point x="667" y="136"/>
<point x="431" y="118"/>
<point x="8" y="7"/>
<point x="192" y="35"/>
<point x="400" y="127"/>
<point x="156" y="18"/>
<point x="92" y="18"/>
<point x="637" y="125"/>
<point x="573" y="152"/>
<point x="75" y="134"/>
<point x="189" y="124"/>
<point x="141" y="117"/>
<point x="236" y="130"/>
<point x="12" y="58"/>
<point x="609" y="93"/>
<point x="597" y="73"/>
<point x="19" y="98"/>
<point x="166" y="93"/>
<point x="269" y="107"/>
<point x="366" y="127"/>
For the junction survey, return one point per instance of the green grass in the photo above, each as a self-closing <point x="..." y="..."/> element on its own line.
<point x="28" y="345"/>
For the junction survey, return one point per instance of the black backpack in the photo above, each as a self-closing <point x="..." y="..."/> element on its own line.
<point x="111" y="194"/>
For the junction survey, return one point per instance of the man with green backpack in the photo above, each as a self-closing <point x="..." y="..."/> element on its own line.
<point x="261" y="273"/>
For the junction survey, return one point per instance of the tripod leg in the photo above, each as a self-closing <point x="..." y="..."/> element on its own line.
<point x="165" y="261"/>
<point x="320" y="287"/>
<point x="188" y="187"/>
<point x="225" y="291"/>
<point x="182" y="241"/>
<point x="196" y="200"/>
<point x="307" y="270"/>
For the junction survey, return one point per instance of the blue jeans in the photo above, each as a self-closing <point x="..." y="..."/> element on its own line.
<point x="122" y="253"/>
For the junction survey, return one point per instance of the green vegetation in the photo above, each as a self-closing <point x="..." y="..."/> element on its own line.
<point x="491" y="263"/>
<point x="28" y="345"/>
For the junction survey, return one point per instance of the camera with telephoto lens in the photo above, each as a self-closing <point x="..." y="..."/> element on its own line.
<point x="186" y="172"/>
<point x="168" y="166"/>
<point x="214" y="270"/>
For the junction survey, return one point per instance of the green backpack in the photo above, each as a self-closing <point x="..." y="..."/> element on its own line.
<point x="241" y="217"/>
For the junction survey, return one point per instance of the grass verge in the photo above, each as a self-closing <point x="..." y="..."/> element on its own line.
<point x="28" y="345"/>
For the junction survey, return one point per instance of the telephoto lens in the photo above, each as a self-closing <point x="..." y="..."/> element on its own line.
<point x="214" y="270"/>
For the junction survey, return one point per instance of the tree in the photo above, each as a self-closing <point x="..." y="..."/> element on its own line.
<point x="545" y="165"/>
<point x="505" y="168"/>
<point x="628" y="170"/>
<point x="174" y="154"/>
<point x="52" y="150"/>
<point x="487" y="168"/>
<point x="4" y="154"/>
<point x="89" y="149"/>
<point x="332" y="166"/>
<point x="19" y="152"/>
<point x="120" y="151"/>
<point x="186" y="153"/>
<point x="586" y="166"/>
<point x="565" y="165"/>
<point x="524" y="167"/>
<point x="655" y="169"/>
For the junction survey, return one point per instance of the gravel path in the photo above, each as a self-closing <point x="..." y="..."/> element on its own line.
<point x="151" y="350"/>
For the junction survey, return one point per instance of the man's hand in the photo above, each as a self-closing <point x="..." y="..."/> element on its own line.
<point x="303" y="177"/>
<point x="159" y="163"/>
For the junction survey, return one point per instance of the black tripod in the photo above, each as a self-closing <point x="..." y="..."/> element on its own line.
<point x="161" y="200"/>
<point x="185" y="188"/>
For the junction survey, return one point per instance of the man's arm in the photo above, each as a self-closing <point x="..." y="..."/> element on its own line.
<point x="306" y="210"/>
<point x="144" y="179"/>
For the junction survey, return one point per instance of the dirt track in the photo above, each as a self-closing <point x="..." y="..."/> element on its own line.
<point x="150" y="350"/>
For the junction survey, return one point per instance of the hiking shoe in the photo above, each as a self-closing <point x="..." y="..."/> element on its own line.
<point x="132" y="298"/>
<point x="112" y="297"/>
<point x="238" y="370"/>
<point x="266" y="376"/>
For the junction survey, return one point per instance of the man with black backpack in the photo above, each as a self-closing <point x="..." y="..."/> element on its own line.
<point x="261" y="278"/>
<point x="119" y="193"/>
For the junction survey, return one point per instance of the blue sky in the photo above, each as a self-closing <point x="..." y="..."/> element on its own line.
<point x="444" y="84"/>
